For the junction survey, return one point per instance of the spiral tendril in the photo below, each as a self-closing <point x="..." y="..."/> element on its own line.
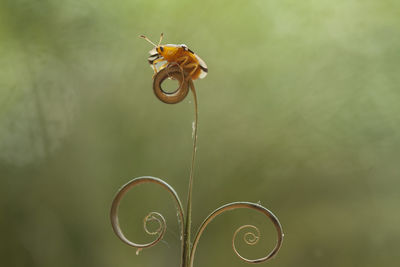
<point x="176" y="72"/>
<point x="152" y="216"/>
<point x="250" y="238"/>
<point x="173" y="72"/>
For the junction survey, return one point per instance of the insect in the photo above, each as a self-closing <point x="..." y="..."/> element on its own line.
<point x="176" y="54"/>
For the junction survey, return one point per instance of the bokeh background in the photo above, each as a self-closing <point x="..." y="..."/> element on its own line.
<point x="300" y="111"/>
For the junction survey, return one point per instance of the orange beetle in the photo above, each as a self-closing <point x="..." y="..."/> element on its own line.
<point x="179" y="54"/>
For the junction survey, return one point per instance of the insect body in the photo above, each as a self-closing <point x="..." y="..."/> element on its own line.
<point x="170" y="54"/>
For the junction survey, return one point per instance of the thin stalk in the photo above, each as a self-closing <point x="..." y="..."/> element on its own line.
<point x="188" y="225"/>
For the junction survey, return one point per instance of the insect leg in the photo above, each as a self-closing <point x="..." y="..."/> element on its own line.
<point x="155" y="62"/>
<point x="184" y="60"/>
<point x="180" y="68"/>
<point x="187" y="65"/>
<point x="161" y="67"/>
<point x="164" y="65"/>
<point x="195" y="67"/>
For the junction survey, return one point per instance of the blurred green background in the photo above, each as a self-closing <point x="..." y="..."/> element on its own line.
<point x="300" y="111"/>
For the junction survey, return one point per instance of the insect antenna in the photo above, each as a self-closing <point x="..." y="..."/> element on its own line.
<point x="161" y="37"/>
<point x="147" y="39"/>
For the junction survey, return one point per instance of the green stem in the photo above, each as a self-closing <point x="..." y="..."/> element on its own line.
<point x="188" y="225"/>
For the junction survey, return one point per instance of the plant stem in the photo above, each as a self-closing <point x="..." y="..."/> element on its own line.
<point x="187" y="233"/>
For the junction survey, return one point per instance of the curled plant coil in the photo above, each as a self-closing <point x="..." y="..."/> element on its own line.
<point x="151" y="216"/>
<point x="250" y="238"/>
<point x="176" y="73"/>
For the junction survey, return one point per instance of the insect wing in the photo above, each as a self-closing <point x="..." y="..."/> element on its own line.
<point x="153" y="51"/>
<point x="153" y="57"/>
<point x="173" y="45"/>
<point x="203" y="67"/>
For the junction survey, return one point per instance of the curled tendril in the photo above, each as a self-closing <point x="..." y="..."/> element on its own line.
<point x="152" y="216"/>
<point x="155" y="216"/>
<point x="175" y="72"/>
<point x="250" y="238"/>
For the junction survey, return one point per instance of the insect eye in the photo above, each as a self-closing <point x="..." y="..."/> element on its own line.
<point x="161" y="48"/>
